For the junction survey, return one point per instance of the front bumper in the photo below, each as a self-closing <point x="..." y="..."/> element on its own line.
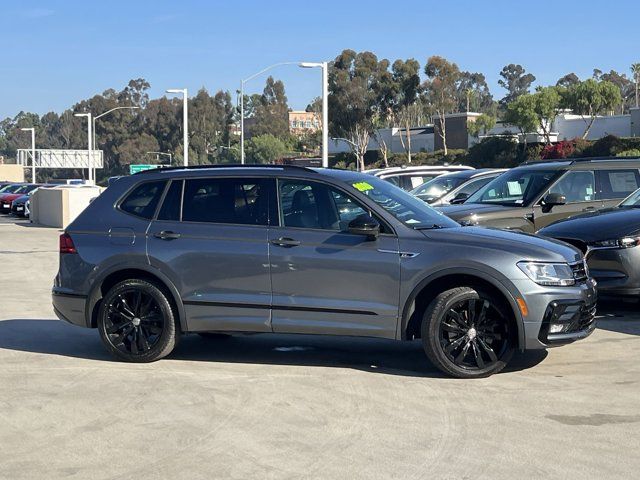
<point x="70" y="307"/>
<point x="616" y="270"/>
<point x="572" y="306"/>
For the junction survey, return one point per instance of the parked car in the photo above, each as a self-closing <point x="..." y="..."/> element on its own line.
<point x="266" y="249"/>
<point x="18" y="205"/>
<point x="455" y="187"/>
<point x="609" y="238"/>
<point x="536" y="194"/>
<point x="8" y="196"/>
<point x="409" y="178"/>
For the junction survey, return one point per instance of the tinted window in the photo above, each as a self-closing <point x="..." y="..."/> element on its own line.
<point x="576" y="187"/>
<point x="170" y="210"/>
<point x="517" y="187"/>
<point x="315" y="205"/>
<point x="143" y="200"/>
<point x="473" y="186"/>
<point x="617" y="183"/>
<point x="243" y="201"/>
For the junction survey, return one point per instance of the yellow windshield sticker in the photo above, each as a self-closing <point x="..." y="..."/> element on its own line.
<point x="363" y="186"/>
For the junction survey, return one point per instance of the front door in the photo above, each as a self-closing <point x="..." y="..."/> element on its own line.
<point x="324" y="279"/>
<point x="579" y="190"/>
<point x="211" y="241"/>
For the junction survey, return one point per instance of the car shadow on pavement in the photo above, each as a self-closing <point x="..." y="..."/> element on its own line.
<point x="620" y="316"/>
<point x="53" y="337"/>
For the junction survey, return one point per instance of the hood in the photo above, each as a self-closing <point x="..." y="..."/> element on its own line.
<point x="605" y="224"/>
<point x="527" y="246"/>
<point x="467" y="209"/>
<point x="21" y="199"/>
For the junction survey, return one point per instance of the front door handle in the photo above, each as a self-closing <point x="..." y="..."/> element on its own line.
<point x="285" y="242"/>
<point x="166" y="235"/>
<point x="589" y="209"/>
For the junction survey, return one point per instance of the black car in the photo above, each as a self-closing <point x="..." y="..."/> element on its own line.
<point x="610" y="240"/>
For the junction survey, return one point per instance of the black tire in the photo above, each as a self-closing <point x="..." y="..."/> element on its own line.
<point x="467" y="333"/>
<point x="213" y="335"/>
<point x="137" y="322"/>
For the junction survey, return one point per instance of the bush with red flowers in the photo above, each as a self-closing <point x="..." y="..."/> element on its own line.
<point x="562" y="149"/>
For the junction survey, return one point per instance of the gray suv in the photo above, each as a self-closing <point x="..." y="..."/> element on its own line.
<point x="312" y="251"/>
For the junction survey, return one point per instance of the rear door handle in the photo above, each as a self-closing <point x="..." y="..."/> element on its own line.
<point x="166" y="235"/>
<point x="285" y="242"/>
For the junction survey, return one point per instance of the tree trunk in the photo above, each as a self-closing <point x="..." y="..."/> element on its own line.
<point x="586" y="132"/>
<point x="637" y="85"/>
<point x="443" y="132"/>
<point x="408" y="130"/>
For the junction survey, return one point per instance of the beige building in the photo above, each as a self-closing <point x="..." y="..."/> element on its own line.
<point x="301" y="122"/>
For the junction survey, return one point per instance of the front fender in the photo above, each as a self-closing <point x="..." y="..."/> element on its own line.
<point x="482" y="272"/>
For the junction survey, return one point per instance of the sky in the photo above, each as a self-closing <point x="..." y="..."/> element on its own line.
<point x="56" y="53"/>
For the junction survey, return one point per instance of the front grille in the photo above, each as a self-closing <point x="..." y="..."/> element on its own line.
<point x="580" y="271"/>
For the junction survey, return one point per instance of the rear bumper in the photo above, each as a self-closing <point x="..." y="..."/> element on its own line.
<point x="70" y="307"/>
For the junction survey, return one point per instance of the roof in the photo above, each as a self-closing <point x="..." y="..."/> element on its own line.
<point x="468" y="174"/>
<point x="417" y="169"/>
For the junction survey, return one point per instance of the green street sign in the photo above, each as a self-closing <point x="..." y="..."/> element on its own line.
<point x="140" y="167"/>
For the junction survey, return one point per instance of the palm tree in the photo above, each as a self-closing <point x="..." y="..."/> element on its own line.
<point x="635" y="69"/>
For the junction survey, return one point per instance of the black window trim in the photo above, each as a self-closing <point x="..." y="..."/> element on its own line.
<point x="164" y="195"/>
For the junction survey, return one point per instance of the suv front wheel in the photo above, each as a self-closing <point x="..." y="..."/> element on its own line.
<point x="467" y="333"/>
<point x="136" y="322"/>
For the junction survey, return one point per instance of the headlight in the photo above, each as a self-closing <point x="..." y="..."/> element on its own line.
<point x="624" y="242"/>
<point x="550" y="274"/>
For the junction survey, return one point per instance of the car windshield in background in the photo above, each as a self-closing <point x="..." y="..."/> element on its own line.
<point x="437" y="187"/>
<point x="401" y="204"/>
<point x="632" y="201"/>
<point x="11" y="189"/>
<point x="515" y="188"/>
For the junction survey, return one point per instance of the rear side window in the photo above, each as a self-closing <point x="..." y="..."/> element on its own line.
<point x="617" y="183"/>
<point x="242" y="201"/>
<point x="143" y="200"/>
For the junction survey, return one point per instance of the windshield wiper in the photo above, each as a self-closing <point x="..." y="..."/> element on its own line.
<point x="435" y="226"/>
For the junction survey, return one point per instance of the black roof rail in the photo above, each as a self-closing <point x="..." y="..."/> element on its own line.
<point x="227" y="165"/>
<point x="578" y="160"/>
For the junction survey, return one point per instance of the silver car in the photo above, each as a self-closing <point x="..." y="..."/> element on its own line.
<point x="277" y="249"/>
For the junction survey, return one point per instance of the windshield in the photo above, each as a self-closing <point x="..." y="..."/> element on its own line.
<point x="632" y="200"/>
<point x="11" y="189"/>
<point x="402" y="205"/>
<point x="437" y="187"/>
<point x="515" y="188"/>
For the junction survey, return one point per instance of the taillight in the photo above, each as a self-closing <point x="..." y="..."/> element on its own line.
<point x="66" y="244"/>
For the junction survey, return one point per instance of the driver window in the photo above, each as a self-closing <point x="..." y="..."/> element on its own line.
<point x="576" y="187"/>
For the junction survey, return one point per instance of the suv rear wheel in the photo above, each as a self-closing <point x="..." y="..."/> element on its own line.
<point x="467" y="333"/>
<point x="136" y="322"/>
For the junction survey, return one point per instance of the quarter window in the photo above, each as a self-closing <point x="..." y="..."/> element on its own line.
<point x="576" y="186"/>
<point x="143" y="200"/>
<point x="242" y="201"/>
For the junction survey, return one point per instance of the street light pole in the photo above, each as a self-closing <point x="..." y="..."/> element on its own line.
<point x="89" y="143"/>
<point x="325" y="107"/>
<point x="242" y="82"/>
<point x="185" y="122"/>
<point x="33" y="152"/>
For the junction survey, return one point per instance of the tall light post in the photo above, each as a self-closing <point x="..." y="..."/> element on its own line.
<point x="185" y="121"/>
<point x="33" y="152"/>
<point x="89" y="142"/>
<point x="242" y="82"/>
<point x="325" y="107"/>
<point x="95" y="144"/>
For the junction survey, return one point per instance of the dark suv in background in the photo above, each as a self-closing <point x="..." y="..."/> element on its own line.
<point x="298" y="250"/>
<point x="536" y="194"/>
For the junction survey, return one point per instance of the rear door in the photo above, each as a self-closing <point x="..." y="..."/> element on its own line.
<point x="210" y="238"/>
<point x="579" y="190"/>
<point x="324" y="279"/>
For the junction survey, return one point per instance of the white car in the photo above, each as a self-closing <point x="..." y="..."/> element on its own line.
<point x="409" y="178"/>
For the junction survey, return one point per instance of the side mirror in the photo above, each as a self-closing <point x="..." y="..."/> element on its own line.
<point x="552" y="200"/>
<point x="459" y="198"/>
<point x="365" y="225"/>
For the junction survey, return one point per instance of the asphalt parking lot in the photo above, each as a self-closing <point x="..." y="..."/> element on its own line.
<point x="298" y="406"/>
